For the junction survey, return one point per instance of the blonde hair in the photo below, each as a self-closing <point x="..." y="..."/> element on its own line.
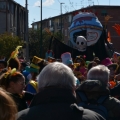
<point x="8" y="107"/>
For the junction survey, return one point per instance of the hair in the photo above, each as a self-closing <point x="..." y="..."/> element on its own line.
<point x="4" y="63"/>
<point x="8" y="107"/>
<point x="5" y="81"/>
<point x="99" y="72"/>
<point x="114" y="66"/>
<point x="14" y="63"/>
<point x="42" y="64"/>
<point x="58" y="75"/>
<point x="90" y="65"/>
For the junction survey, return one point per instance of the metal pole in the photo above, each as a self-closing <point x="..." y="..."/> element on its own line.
<point x="41" y="32"/>
<point x="26" y="32"/>
<point x="61" y="16"/>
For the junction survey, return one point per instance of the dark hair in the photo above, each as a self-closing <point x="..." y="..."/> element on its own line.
<point x="114" y="66"/>
<point x="3" y="71"/>
<point x="5" y="80"/>
<point x="42" y="64"/>
<point x="8" y="107"/>
<point x="14" y="63"/>
<point x="90" y="65"/>
<point x="4" y="63"/>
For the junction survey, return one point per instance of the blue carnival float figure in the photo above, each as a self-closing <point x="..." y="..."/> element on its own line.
<point x="88" y="37"/>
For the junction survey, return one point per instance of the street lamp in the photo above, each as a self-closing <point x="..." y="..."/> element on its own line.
<point x="41" y="33"/>
<point x="61" y="16"/>
<point x="26" y="31"/>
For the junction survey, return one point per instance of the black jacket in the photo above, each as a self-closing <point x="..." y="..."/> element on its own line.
<point x="56" y="104"/>
<point x="21" y="101"/>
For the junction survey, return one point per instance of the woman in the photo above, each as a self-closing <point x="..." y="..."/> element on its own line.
<point x="14" y="83"/>
<point x="8" y="108"/>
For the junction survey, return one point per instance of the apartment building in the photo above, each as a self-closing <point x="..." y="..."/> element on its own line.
<point x="54" y="23"/>
<point x="12" y="18"/>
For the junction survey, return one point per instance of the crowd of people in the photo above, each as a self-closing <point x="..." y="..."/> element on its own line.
<point x="60" y="89"/>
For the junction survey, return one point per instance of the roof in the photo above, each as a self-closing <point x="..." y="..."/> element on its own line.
<point x="94" y="6"/>
<point x="17" y="4"/>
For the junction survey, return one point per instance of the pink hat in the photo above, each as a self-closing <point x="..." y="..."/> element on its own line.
<point x="106" y="61"/>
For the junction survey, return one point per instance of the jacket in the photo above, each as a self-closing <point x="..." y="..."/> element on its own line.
<point x="93" y="90"/>
<point x="21" y="101"/>
<point x="56" y="104"/>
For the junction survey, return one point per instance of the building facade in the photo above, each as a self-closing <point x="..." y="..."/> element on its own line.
<point x="54" y="24"/>
<point x="12" y="18"/>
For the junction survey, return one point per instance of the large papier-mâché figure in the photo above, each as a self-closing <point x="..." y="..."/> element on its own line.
<point x="87" y="36"/>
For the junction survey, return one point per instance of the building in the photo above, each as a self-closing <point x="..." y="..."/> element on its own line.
<point x="54" y="23"/>
<point x="12" y="18"/>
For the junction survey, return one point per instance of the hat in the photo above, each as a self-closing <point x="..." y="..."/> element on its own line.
<point x="34" y="65"/>
<point x="66" y="58"/>
<point x="106" y="61"/>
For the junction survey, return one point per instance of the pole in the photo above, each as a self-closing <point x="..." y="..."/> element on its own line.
<point x="26" y="32"/>
<point x="61" y="17"/>
<point x="41" y="33"/>
<point x="6" y="16"/>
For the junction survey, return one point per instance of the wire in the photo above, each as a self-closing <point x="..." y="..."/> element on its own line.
<point x="98" y="2"/>
<point x="71" y="4"/>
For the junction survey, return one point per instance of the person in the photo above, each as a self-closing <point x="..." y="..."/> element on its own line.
<point x="8" y="107"/>
<point x="96" y="86"/>
<point x="14" y="63"/>
<point x="3" y="65"/>
<point x="14" y="83"/>
<point x="56" y="98"/>
<point x="91" y="64"/>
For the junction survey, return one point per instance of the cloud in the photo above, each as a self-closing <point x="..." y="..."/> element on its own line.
<point x="46" y="3"/>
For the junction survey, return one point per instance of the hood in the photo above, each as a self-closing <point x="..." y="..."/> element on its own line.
<point x="93" y="88"/>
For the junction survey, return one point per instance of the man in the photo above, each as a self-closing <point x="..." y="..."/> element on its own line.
<point x="56" y="98"/>
<point x="96" y="86"/>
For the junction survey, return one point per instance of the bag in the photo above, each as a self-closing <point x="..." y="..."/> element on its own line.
<point x="96" y="106"/>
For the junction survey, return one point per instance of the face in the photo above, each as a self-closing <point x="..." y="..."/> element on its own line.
<point x="94" y="64"/>
<point x="18" y="86"/>
<point x="81" y="43"/>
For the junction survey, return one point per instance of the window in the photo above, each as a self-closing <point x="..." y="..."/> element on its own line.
<point x="35" y="27"/>
<point x="65" y="32"/>
<point x="104" y="13"/>
<point x="2" y="5"/>
<point x="70" y="18"/>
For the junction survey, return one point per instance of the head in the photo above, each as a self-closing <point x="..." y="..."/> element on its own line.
<point x="113" y="69"/>
<point x="99" y="72"/>
<point x="13" y="82"/>
<point x="8" y="108"/>
<point x="57" y="75"/>
<point x="91" y="64"/>
<point x="14" y="63"/>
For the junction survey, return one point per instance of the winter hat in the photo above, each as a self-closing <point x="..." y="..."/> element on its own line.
<point x="106" y="61"/>
<point x="66" y="58"/>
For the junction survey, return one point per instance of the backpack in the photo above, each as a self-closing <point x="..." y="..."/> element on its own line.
<point x="96" y="106"/>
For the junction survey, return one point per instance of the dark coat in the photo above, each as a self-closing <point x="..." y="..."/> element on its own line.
<point x="21" y="101"/>
<point x="115" y="91"/>
<point x="56" y="104"/>
<point x="94" y="89"/>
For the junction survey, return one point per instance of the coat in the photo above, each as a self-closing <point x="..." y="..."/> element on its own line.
<point x="93" y="90"/>
<point x="56" y="104"/>
<point x="21" y="101"/>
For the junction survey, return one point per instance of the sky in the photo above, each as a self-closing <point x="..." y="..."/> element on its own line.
<point x="51" y="8"/>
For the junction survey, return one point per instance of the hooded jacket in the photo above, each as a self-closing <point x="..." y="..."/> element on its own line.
<point x="93" y="90"/>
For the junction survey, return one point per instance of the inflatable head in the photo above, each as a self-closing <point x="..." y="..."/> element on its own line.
<point x="87" y="25"/>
